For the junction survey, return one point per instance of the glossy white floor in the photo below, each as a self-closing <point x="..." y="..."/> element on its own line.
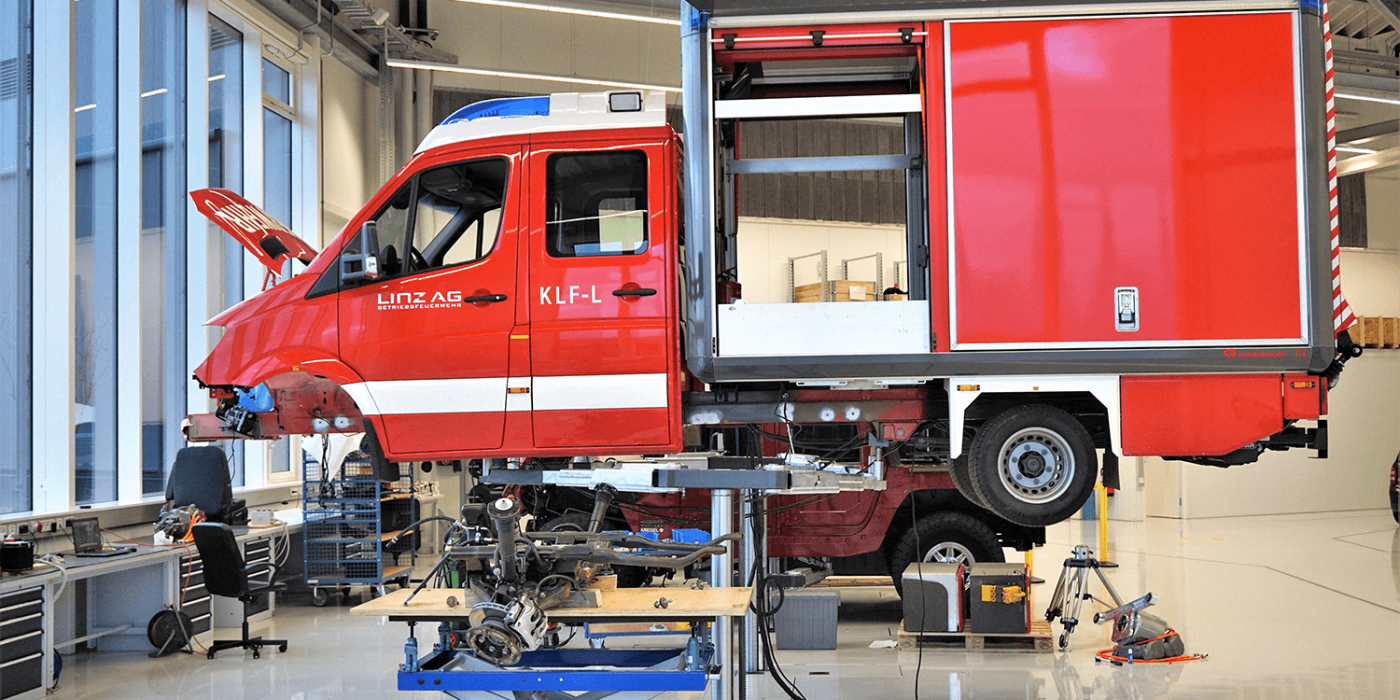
<point x="1303" y="606"/>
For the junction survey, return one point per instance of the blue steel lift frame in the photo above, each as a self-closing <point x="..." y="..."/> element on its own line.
<point x="560" y="670"/>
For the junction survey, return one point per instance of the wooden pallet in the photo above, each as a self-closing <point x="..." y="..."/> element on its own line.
<point x="1039" y="640"/>
<point x="853" y="582"/>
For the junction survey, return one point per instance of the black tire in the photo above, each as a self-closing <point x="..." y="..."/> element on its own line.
<point x="319" y="597"/>
<point x="959" y="472"/>
<point x="940" y="534"/>
<point x="627" y="576"/>
<point x="569" y="522"/>
<point x="1033" y="465"/>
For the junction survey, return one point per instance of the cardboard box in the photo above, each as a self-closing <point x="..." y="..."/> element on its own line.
<point x="838" y="290"/>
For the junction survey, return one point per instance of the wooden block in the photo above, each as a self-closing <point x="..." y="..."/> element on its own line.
<point x="1371" y="331"/>
<point x="1356" y="334"/>
<point x="1390" y="332"/>
<point x="840" y="290"/>
<point x="681" y="604"/>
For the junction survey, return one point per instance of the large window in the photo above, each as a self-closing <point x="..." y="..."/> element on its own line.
<point x="162" y="252"/>
<point x="225" y="170"/>
<point x="95" y="250"/>
<point x="277" y="188"/>
<point x="16" y="178"/>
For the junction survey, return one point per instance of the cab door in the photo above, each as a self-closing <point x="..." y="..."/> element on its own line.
<point x="603" y="344"/>
<point x="430" y="336"/>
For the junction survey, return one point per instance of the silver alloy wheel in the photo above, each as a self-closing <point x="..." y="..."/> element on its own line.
<point x="950" y="553"/>
<point x="1036" y="465"/>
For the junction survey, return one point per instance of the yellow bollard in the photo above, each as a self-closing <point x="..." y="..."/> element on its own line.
<point x="1101" y="501"/>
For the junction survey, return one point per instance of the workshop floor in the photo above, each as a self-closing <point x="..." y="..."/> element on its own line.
<point x="1303" y="606"/>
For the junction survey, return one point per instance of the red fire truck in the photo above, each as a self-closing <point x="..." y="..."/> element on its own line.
<point x="1114" y="224"/>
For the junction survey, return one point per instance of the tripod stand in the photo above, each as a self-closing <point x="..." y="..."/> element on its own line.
<point x="1071" y="591"/>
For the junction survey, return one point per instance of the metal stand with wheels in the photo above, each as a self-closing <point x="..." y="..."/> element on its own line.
<point x="1072" y="590"/>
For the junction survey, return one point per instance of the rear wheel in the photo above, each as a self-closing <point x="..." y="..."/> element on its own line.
<point x="958" y="471"/>
<point x="1033" y="465"/>
<point x="948" y="537"/>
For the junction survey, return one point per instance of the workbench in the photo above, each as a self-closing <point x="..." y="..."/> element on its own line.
<point x="106" y="605"/>
<point x="614" y="604"/>
<point x="555" y="673"/>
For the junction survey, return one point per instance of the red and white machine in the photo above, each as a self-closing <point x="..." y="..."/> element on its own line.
<point x="1119" y="236"/>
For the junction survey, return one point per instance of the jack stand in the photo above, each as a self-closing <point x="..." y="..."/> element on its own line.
<point x="1072" y="590"/>
<point x="410" y="652"/>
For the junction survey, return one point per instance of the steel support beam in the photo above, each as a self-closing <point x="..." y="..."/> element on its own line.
<point x="1369" y="131"/>
<point x="1390" y="9"/>
<point x="344" y="44"/>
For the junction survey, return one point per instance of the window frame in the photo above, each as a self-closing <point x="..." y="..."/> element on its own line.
<point x="597" y="197"/>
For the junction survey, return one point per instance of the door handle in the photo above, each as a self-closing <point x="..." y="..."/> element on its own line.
<point x="485" y="299"/>
<point x="642" y="292"/>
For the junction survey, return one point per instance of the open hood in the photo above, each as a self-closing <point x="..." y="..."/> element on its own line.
<point x="269" y="241"/>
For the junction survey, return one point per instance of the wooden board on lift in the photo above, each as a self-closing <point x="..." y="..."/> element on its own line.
<point x="636" y="603"/>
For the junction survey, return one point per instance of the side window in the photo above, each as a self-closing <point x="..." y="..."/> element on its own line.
<point x="597" y="204"/>
<point x="458" y="216"/>
<point x="392" y="224"/>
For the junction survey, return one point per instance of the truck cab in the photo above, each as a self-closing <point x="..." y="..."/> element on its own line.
<point x="511" y="290"/>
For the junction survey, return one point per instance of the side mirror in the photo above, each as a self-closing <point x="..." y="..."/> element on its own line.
<point x="364" y="265"/>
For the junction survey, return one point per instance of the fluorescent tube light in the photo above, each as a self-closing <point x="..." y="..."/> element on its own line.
<point x="153" y="93"/>
<point x="1366" y="98"/>
<point x="574" y="11"/>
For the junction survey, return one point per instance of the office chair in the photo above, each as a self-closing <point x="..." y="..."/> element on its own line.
<point x="226" y="574"/>
<point x="200" y="476"/>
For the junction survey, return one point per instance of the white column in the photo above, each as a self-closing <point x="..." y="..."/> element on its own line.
<point x="53" y="314"/>
<point x="196" y="177"/>
<point x="128" y="331"/>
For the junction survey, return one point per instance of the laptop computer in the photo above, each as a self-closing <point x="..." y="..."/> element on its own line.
<point x="87" y="540"/>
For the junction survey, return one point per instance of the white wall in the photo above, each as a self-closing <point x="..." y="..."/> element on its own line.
<point x="766" y="244"/>
<point x="349" y="144"/>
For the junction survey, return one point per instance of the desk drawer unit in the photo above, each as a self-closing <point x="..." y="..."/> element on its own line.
<point x="259" y="551"/>
<point x="22" y="644"/>
<point x="196" y="602"/>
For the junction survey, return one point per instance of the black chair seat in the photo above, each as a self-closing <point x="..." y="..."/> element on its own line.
<point x="226" y="574"/>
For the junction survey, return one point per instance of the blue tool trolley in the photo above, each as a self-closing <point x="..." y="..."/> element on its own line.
<point x="348" y="521"/>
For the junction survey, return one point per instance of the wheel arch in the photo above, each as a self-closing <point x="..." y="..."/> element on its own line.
<point x="1093" y="400"/>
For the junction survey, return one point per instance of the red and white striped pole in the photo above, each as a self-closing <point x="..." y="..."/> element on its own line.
<point x="1342" y="317"/>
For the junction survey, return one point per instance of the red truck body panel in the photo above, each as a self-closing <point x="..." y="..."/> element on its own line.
<point x="1094" y="154"/>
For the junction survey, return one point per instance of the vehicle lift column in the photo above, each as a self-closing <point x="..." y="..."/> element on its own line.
<point x="722" y="576"/>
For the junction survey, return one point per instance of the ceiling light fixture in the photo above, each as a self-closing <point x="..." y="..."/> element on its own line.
<point x="574" y="11"/>
<point x="1366" y="98"/>
<point x="449" y="68"/>
<point x="153" y="93"/>
<point x="1353" y="149"/>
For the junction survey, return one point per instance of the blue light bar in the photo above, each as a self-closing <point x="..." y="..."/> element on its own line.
<point x="504" y="107"/>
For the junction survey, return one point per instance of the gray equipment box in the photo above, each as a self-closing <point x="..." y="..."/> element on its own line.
<point x="1000" y="598"/>
<point x="933" y="597"/>
<point x="807" y="619"/>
